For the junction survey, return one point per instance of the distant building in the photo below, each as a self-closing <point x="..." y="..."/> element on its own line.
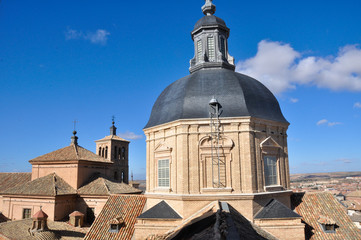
<point x="67" y="180"/>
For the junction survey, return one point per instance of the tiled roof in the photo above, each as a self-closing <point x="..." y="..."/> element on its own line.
<point x="312" y="205"/>
<point x="49" y="185"/>
<point x="76" y="214"/>
<point x="275" y="209"/>
<point x="70" y="153"/>
<point x="356" y="217"/>
<point x="160" y="211"/>
<point x="354" y="194"/>
<point x="128" y="207"/>
<point x="9" y="180"/>
<point x="112" y="137"/>
<point x="40" y="214"/>
<point x="103" y="186"/>
<point x="18" y="230"/>
<point x="225" y="223"/>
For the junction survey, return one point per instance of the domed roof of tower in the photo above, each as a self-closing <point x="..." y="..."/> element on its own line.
<point x="239" y="95"/>
<point x="209" y="20"/>
<point x="213" y="76"/>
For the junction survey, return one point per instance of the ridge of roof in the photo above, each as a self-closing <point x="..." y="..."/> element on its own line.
<point x="275" y="209"/>
<point x="70" y="153"/>
<point x="99" y="185"/>
<point x="49" y="185"/>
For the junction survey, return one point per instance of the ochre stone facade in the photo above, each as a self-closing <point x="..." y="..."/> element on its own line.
<point x="244" y="143"/>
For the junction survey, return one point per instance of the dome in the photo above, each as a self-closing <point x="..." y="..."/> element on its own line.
<point x="209" y="20"/>
<point x="238" y="94"/>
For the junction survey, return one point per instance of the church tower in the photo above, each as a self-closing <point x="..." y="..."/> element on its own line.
<point x="116" y="150"/>
<point x="214" y="135"/>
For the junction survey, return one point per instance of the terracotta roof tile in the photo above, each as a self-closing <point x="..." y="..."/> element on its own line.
<point x="18" y="230"/>
<point x="103" y="186"/>
<point x="40" y="214"/>
<point x="70" y="153"/>
<point x="311" y="205"/>
<point x="50" y="185"/>
<point x="354" y="194"/>
<point x="9" y="180"/>
<point x="129" y="207"/>
<point x="76" y="213"/>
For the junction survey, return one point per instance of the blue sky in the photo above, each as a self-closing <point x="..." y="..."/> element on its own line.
<point x="89" y="60"/>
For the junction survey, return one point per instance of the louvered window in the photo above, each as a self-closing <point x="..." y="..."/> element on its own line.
<point x="223" y="47"/>
<point x="199" y="50"/>
<point x="163" y="173"/>
<point x="270" y="170"/>
<point x="211" y="52"/>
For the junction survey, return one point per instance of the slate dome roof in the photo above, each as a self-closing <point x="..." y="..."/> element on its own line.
<point x="239" y="95"/>
<point x="209" y="20"/>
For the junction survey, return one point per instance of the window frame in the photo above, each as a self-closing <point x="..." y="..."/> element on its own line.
<point x="26" y="213"/>
<point x="275" y="173"/>
<point x="167" y="168"/>
<point x="211" y="48"/>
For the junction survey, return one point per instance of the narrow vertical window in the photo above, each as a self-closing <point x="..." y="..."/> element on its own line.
<point x="123" y="152"/>
<point x="106" y="152"/>
<point x="100" y="151"/>
<point x="163" y="173"/>
<point x="211" y="52"/>
<point x="199" y="50"/>
<point x="223" y="47"/>
<point x="270" y="170"/>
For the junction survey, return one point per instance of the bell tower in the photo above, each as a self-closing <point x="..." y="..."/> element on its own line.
<point x="210" y="36"/>
<point x="116" y="150"/>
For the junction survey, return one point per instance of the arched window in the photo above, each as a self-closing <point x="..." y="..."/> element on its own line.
<point x="118" y="153"/>
<point x="123" y="152"/>
<point x="106" y="152"/>
<point x="122" y="177"/>
<point x="100" y="151"/>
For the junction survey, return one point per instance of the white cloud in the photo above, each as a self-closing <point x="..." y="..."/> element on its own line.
<point x="130" y="135"/>
<point x="100" y="36"/>
<point x="294" y="100"/>
<point x="357" y="105"/>
<point x="325" y="121"/>
<point x="281" y="68"/>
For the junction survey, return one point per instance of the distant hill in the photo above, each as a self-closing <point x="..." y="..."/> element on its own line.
<point x="322" y="176"/>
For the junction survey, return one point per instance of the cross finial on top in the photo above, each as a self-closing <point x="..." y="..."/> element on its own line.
<point x="209" y="8"/>
<point x="113" y="118"/>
